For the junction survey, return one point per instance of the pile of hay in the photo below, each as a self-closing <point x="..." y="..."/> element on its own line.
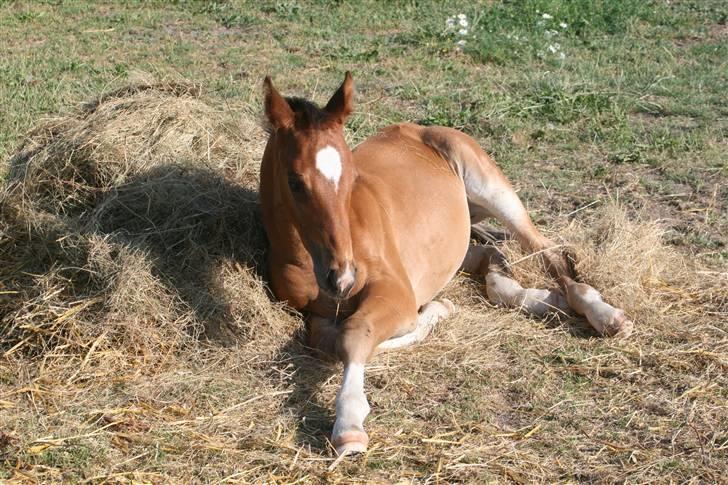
<point x="136" y="325"/>
<point x="126" y="225"/>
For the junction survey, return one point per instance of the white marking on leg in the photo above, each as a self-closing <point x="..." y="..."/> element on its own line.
<point x="501" y="202"/>
<point x="351" y="402"/>
<point x="503" y="290"/>
<point x="328" y="162"/>
<point x="605" y="318"/>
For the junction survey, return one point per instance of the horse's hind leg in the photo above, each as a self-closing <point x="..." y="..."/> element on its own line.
<point x="501" y="201"/>
<point x="605" y="318"/>
<point x="489" y="191"/>
<point x="502" y="289"/>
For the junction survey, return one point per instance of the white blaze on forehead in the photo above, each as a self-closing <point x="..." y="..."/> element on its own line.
<point x="328" y="162"/>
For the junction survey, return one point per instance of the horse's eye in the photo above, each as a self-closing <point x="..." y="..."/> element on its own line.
<point x="296" y="184"/>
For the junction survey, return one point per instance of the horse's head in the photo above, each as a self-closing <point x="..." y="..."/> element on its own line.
<point x="315" y="175"/>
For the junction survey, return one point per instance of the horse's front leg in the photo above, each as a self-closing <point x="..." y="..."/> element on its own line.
<point x="386" y="307"/>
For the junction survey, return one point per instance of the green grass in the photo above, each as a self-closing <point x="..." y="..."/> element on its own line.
<point x="632" y="71"/>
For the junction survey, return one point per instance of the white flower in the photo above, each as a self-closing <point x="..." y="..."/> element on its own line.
<point x="562" y="56"/>
<point x="550" y="33"/>
<point x="460" y="44"/>
<point x="546" y="16"/>
<point x="457" y="24"/>
<point x="563" y="25"/>
<point x="553" y="49"/>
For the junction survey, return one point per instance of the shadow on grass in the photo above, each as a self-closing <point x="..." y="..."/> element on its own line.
<point x="308" y="371"/>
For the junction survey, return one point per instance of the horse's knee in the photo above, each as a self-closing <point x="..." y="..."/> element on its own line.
<point x="355" y="340"/>
<point x="484" y="259"/>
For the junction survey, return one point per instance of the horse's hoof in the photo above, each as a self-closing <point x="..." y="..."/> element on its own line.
<point x="620" y="326"/>
<point x="351" y="443"/>
<point x="451" y="308"/>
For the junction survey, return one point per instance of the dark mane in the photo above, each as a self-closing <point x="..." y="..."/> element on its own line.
<point x="308" y="114"/>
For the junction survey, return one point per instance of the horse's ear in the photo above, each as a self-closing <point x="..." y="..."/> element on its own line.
<point x="341" y="103"/>
<point x="277" y="110"/>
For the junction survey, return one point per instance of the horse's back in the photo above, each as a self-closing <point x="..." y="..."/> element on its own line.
<point x="424" y="200"/>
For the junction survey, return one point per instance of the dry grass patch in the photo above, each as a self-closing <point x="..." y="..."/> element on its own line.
<point x="139" y="342"/>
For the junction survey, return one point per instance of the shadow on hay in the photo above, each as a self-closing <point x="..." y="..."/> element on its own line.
<point x="184" y="221"/>
<point x="190" y="219"/>
<point x="187" y="220"/>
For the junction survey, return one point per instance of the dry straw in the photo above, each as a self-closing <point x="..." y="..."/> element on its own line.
<point x="139" y="341"/>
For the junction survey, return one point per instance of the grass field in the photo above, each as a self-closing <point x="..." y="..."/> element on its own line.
<point x="609" y="117"/>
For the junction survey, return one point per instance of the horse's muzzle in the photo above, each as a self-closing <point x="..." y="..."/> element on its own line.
<point x="340" y="282"/>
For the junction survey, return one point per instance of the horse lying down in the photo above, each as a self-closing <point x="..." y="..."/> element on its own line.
<point x="361" y="241"/>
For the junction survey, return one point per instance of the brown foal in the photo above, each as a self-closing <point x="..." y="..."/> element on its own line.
<point x="362" y="241"/>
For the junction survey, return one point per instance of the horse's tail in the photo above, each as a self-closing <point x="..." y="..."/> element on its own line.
<point x="490" y="194"/>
